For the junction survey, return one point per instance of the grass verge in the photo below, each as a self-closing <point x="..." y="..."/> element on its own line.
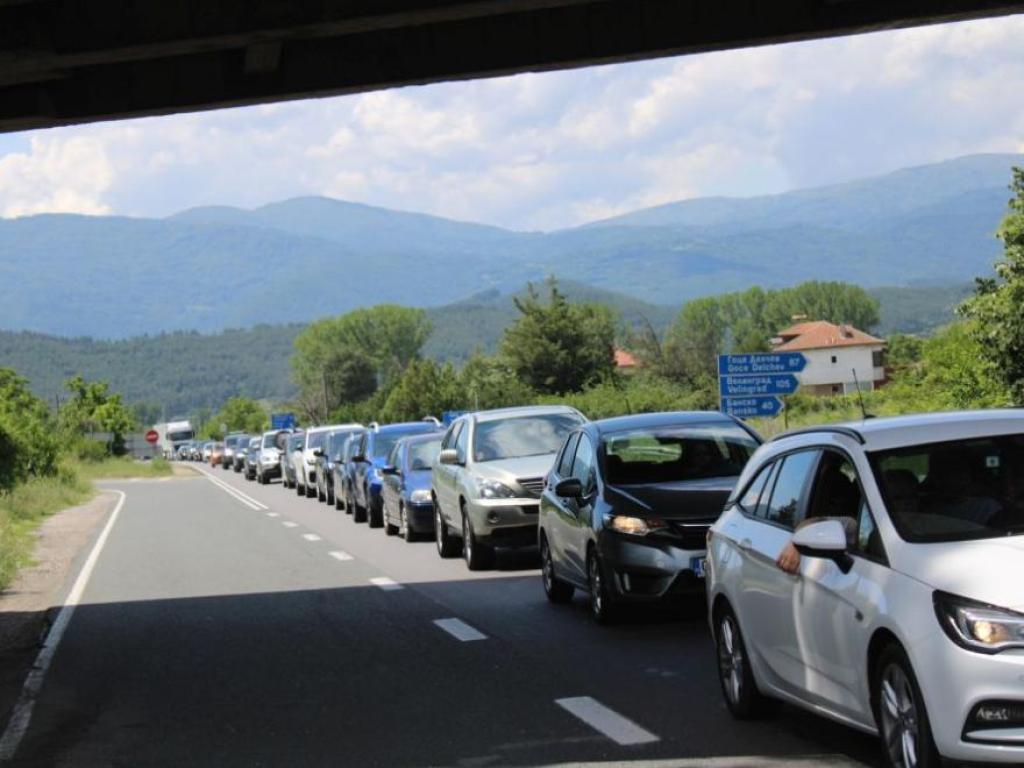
<point x="122" y="467"/>
<point x="23" y="509"/>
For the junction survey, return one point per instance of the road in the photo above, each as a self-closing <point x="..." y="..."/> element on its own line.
<point x="270" y="630"/>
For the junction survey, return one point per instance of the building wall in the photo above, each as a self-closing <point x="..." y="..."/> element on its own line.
<point x="830" y="371"/>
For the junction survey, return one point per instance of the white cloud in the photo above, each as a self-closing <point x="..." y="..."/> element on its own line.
<point x="561" y="148"/>
<point x="59" y="175"/>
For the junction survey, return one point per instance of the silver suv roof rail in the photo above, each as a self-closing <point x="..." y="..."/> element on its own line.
<point x="373" y="426"/>
<point x="432" y="419"/>
<point x="845" y="431"/>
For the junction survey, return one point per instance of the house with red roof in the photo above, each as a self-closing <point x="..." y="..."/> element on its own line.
<point x="838" y="357"/>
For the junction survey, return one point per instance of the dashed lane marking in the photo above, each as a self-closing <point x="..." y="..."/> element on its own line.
<point x="388" y="585"/>
<point x="460" y="630"/>
<point x="310" y="537"/>
<point x="339" y="555"/>
<point x="273" y="514"/>
<point x="619" y="729"/>
<point x="290" y="524"/>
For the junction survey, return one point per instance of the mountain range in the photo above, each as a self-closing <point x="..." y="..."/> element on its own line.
<point x="211" y="268"/>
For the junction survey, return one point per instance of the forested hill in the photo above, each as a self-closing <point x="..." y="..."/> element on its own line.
<point x="186" y="371"/>
<point x="212" y="268"/>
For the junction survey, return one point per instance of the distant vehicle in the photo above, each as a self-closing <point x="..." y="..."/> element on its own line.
<point x="326" y="457"/>
<point x="871" y="573"/>
<point x="369" y="458"/>
<point x="207" y="450"/>
<point x="628" y="504"/>
<point x="252" y="457"/>
<point x="405" y="493"/>
<point x="241" y="451"/>
<point x="268" y="459"/>
<point x="344" y="472"/>
<point x="292" y="444"/>
<point x="216" y="455"/>
<point x="489" y="475"/>
<point x="173" y="434"/>
<point x="230" y="443"/>
<point x="305" y="462"/>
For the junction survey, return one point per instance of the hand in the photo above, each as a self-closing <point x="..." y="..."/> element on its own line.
<point x="789" y="559"/>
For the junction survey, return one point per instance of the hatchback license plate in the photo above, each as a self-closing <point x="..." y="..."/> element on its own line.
<point x="698" y="565"/>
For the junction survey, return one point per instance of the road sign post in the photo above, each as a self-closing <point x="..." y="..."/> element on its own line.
<point x="752" y="385"/>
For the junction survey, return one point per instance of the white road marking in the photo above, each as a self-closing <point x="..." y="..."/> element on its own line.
<point x="290" y="524"/>
<point x="339" y="555"/>
<point x="610" y="723"/>
<point x="388" y="585"/>
<point x="273" y="514"/>
<point x="460" y="630"/>
<point x="310" y="537"/>
<point x="245" y="498"/>
<point x="21" y="716"/>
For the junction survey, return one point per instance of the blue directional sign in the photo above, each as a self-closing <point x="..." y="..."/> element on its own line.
<point x="752" y="407"/>
<point x="449" y="416"/>
<point x="751" y="386"/>
<point x="282" y="421"/>
<point x="761" y="364"/>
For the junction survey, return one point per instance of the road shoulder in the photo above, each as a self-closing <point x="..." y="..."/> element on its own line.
<point x="29" y="605"/>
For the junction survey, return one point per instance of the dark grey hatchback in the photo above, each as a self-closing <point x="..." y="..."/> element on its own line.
<point x="628" y="503"/>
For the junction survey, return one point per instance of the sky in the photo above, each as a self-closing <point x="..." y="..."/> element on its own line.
<point x="554" y="150"/>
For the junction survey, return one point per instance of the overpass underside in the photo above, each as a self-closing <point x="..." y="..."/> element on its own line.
<point x="72" y="61"/>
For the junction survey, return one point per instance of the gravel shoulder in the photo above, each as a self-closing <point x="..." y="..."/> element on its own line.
<point x="29" y="605"/>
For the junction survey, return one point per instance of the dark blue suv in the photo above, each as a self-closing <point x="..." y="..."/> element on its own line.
<point x="408" y="500"/>
<point x="369" y="458"/>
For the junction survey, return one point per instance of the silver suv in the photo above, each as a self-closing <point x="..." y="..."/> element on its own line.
<point x="489" y="475"/>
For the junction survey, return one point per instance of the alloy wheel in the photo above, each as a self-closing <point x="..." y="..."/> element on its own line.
<point x="597" y="598"/>
<point x="403" y="524"/>
<point x="899" y="717"/>
<point x="730" y="660"/>
<point x="547" y="567"/>
<point x="467" y="539"/>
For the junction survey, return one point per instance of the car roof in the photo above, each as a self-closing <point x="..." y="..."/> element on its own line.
<point x="524" y="410"/>
<point x="665" y="419"/>
<point x="424" y="426"/>
<point x="918" y="429"/>
<point x="425" y="437"/>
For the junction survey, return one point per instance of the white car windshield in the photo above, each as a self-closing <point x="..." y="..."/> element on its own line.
<point x="522" y="436"/>
<point x="956" y="491"/>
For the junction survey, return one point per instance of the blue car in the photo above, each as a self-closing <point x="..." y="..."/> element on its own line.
<point x="370" y="457"/>
<point x="406" y="495"/>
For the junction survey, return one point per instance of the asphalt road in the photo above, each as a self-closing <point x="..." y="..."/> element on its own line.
<point x="274" y="631"/>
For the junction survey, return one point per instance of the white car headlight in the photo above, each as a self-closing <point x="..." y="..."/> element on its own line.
<point x="634" y="526"/>
<point x="979" y="627"/>
<point x="492" y="489"/>
<point x="420" y="496"/>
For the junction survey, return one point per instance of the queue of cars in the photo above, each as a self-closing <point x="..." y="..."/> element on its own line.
<point x="872" y="573"/>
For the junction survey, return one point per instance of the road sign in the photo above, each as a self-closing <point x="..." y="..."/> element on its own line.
<point x="152" y="437"/>
<point x="282" y="421"/>
<point x="752" y="407"/>
<point x="752" y="386"/>
<point x="761" y="364"/>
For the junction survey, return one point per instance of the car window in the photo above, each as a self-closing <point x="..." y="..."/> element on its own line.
<point x="518" y="436"/>
<point x="583" y="464"/>
<point x="568" y="452"/>
<point x="451" y="435"/>
<point x="461" y="442"/>
<point x="838" y="492"/>
<point x="422" y="454"/>
<point x="672" y="454"/>
<point x="749" y="502"/>
<point x="786" y="505"/>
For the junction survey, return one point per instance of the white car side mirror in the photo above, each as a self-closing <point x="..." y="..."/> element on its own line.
<point x="825" y="539"/>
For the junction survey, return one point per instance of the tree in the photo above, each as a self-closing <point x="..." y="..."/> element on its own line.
<point x="424" y="389"/>
<point x="345" y="359"/>
<point x="239" y="414"/>
<point x="556" y="346"/>
<point x="997" y="308"/>
<point x="94" y="408"/>
<point x="489" y="382"/>
<point x="28" y="445"/>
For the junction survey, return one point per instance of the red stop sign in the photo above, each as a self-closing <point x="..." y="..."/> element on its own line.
<point x="152" y="436"/>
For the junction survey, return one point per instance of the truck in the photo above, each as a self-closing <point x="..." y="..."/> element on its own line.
<point x="172" y="435"/>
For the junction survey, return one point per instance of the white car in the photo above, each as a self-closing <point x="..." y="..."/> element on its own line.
<point x="906" y="615"/>
<point x="304" y="461"/>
